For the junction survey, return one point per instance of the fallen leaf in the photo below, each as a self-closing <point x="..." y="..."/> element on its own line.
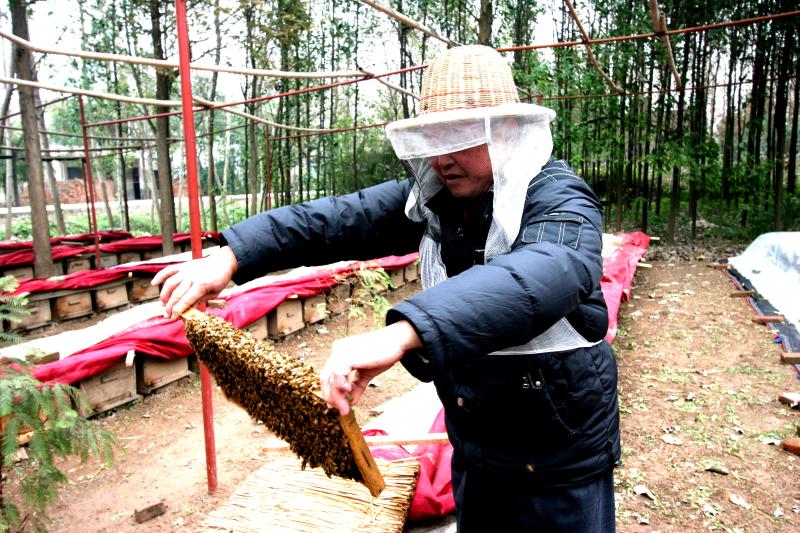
<point x="642" y="490"/>
<point x="718" y="469"/>
<point x="778" y="512"/>
<point x="641" y="519"/>
<point x="323" y="330"/>
<point x="738" y="500"/>
<point x="669" y="439"/>
<point x="710" y="510"/>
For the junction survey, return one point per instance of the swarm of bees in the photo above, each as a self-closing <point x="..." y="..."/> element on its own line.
<point x="280" y="391"/>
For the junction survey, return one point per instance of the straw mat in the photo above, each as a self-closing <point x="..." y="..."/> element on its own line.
<point x="281" y="497"/>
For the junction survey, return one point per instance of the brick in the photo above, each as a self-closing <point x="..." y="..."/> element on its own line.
<point x="792" y="444"/>
<point x="149" y="512"/>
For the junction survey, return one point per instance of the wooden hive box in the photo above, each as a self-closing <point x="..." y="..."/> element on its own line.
<point x="114" y="387"/>
<point x="110" y="295"/>
<point x="411" y="272"/>
<point x="41" y="315"/>
<point x="398" y="279"/>
<point x="129" y="257"/>
<point x="155" y="372"/>
<point x="72" y="305"/>
<point x="140" y="290"/>
<point x="77" y="263"/>
<point x="315" y="309"/>
<point x="19" y="272"/>
<point x="339" y="298"/>
<point x="284" y="319"/>
<point x="108" y="260"/>
<point x="257" y="328"/>
<point x="152" y="254"/>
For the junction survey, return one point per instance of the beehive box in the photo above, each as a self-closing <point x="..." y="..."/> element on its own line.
<point x="284" y="319"/>
<point x="339" y="298"/>
<point x="72" y="305"/>
<point x="155" y="372"/>
<point x="110" y="295"/>
<point x="19" y="272"/>
<point x="411" y="272"/>
<point x="397" y="277"/>
<point x="152" y="254"/>
<point x="40" y="316"/>
<point x="257" y="328"/>
<point x="108" y="260"/>
<point x="140" y="290"/>
<point x="76" y="264"/>
<point x="129" y="257"/>
<point x="114" y="387"/>
<point x="314" y="309"/>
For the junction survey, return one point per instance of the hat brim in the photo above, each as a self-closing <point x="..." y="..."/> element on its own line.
<point x="476" y="113"/>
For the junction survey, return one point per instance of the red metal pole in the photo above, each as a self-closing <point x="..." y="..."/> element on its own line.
<point x="86" y="197"/>
<point x="269" y="169"/>
<point x="190" y="150"/>
<point x="88" y="162"/>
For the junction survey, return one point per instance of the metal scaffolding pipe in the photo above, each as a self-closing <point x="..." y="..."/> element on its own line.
<point x="190" y="152"/>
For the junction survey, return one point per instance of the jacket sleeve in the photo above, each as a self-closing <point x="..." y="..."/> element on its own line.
<point x="363" y="225"/>
<point x="553" y="267"/>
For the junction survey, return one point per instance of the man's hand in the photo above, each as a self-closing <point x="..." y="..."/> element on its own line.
<point x="194" y="281"/>
<point x="355" y="360"/>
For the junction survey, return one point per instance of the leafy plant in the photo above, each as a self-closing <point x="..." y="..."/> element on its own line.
<point x="12" y="308"/>
<point x="368" y="284"/>
<point x="44" y="417"/>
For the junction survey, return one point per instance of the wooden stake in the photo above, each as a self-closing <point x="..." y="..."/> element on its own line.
<point x="767" y="319"/>
<point x="790" y="358"/>
<point x="742" y="294"/>
<point x="366" y="463"/>
<point x="720" y="266"/>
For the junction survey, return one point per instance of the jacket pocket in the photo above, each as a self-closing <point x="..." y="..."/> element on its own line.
<point x="556" y="228"/>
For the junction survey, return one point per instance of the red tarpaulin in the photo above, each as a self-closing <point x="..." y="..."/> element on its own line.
<point x="151" y="242"/>
<point x="103" y="236"/>
<point x="25" y="257"/>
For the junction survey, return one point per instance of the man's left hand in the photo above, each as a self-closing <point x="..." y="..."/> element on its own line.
<point x="355" y="360"/>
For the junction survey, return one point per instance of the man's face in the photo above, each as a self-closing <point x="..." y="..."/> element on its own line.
<point x="467" y="173"/>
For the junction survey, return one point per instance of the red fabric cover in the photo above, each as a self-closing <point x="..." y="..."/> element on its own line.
<point x="434" y="493"/>
<point x="104" y="236"/>
<point x="162" y="338"/>
<point x="618" y="271"/>
<point x="85" y="279"/>
<point x="150" y="242"/>
<point x="25" y="257"/>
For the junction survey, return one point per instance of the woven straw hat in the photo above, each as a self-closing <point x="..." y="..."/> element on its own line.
<point x="467" y="77"/>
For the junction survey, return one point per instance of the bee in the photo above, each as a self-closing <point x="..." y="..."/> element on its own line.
<point x="276" y="389"/>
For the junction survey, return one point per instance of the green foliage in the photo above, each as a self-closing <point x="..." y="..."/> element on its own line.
<point x="44" y="414"/>
<point x="12" y="308"/>
<point x="367" y="287"/>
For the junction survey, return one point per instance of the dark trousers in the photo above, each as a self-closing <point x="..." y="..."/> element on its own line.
<point x="495" y="502"/>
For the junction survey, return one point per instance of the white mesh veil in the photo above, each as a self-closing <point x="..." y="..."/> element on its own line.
<point x="519" y="141"/>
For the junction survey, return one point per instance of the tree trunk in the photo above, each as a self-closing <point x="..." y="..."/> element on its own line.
<point x="48" y="166"/>
<point x="9" y="162"/>
<point x="163" y="85"/>
<point x="791" y="178"/>
<point x="212" y="170"/>
<point x="675" y="193"/>
<point x="485" y="23"/>
<point x="43" y="262"/>
<point x="781" y="104"/>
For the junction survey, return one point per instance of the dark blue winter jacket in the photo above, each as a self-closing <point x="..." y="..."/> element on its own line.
<point x="550" y="417"/>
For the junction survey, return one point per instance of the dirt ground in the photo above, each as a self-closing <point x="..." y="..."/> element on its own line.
<point x="700" y="418"/>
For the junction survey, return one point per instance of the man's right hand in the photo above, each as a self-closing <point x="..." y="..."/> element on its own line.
<point x="195" y="281"/>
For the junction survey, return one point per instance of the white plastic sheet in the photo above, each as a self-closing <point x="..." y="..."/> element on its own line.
<point x="772" y="264"/>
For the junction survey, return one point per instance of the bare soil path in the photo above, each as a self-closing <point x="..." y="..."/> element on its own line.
<point x="698" y="386"/>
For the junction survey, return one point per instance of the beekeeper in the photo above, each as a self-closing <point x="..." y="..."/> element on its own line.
<point x="510" y="322"/>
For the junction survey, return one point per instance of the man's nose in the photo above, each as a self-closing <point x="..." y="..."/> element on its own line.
<point x="443" y="161"/>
